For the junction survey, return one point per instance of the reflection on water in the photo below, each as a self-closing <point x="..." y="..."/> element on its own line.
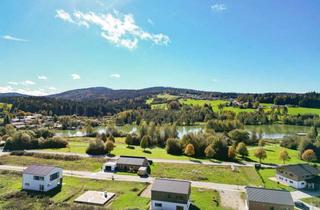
<point x="267" y="131"/>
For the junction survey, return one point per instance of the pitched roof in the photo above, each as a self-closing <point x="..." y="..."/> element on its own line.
<point x="128" y="160"/>
<point x="171" y="186"/>
<point x="269" y="196"/>
<point x="38" y="170"/>
<point x="301" y="170"/>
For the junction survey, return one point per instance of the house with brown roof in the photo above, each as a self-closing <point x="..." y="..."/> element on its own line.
<point x="170" y="194"/>
<point x="299" y="176"/>
<point x="41" y="178"/>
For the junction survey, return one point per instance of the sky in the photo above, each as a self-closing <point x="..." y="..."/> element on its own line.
<point x="216" y="45"/>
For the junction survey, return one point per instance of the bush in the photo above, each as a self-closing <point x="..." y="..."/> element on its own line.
<point x="109" y="146"/>
<point x="55" y="142"/>
<point x="173" y="147"/>
<point x="290" y="142"/>
<point x="189" y="150"/>
<point x="96" y="147"/>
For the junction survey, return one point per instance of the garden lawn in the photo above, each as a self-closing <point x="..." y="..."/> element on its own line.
<point x="273" y="151"/>
<point x="303" y="110"/>
<point x="205" y="199"/>
<point x="126" y="193"/>
<point x="85" y="164"/>
<point x="207" y="173"/>
<point x="314" y="201"/>
<point x="266" y="174"/>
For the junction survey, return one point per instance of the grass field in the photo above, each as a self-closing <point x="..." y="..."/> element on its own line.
<point x="126" y="194"/>
<point x="86" y="164"/>
<point x="273" y="151"/>
<point x="215" y="103"/>
<point x="80" y="144"/>
<point x="314" y="201"/>
<point x="218" y="174"/>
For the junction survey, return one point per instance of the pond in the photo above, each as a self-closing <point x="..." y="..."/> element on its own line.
<point x="268" y="131"/>
<point x="277" y="131"/>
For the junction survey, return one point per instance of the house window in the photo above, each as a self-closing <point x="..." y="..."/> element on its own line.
<point x="158" y="204"/>
<point x="39" y="178"/>
<point x="27" y="184"/>
<point x="291" y="182"/>
<point x="54" y="176"/>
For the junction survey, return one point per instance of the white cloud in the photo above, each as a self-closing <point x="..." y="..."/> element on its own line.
<point x="52" y="88"/>
<point x="13" y="83"/>
<point x="27" y="91"/>
<point x="218" y="7"/>
<point x="118" y="29"/>
<point x="12" y="38"/>
<point x="28" y="82"/>
<point x="75" y="76"/>
<point x="42" y="77"/>
<point x="115" y="76"/>
<point x="64" y="16"/>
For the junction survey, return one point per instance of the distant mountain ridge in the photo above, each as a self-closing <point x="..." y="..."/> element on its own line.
<point x="104" y="93"/>
<point x="108" y="93"/>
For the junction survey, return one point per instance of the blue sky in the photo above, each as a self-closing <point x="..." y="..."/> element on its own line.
<point x="225" y="45"/>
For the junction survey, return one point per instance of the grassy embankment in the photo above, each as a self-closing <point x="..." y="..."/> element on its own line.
<point x="127" y="194"/>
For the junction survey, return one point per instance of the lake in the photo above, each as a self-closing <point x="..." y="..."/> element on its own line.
<point x="267" y="131"/>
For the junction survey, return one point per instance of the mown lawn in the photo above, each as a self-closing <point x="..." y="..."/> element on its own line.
<point x="273" y="151"/>
<point x="314" y="201"/>
<point x="85" y="164"/>
<point x="206" y="173"/>
<point x="126" y="193"/>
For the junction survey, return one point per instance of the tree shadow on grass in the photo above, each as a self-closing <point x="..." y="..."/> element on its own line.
<point x="147" y="151"/>
<point x="130" y="147"/>
<point x="195" y="161"/>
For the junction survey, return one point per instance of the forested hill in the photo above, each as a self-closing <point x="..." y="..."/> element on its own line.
<point x="99" y="101"/>
<point x="107" y="93"/>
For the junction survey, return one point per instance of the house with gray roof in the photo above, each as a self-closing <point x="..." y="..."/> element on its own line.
<point x="41" y="178"/>
<point x="170" y="194"/>
<point x="268" y="199"/>
<point x="299" y="176"/>
<point x="128" y="164"/>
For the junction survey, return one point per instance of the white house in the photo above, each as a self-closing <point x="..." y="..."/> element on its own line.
<point x="169" y="194"/>
<point x="41" y="178"/>
<point x="299" y="176"/>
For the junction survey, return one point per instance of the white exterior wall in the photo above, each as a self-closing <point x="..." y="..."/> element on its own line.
<point x="28" y="183"/>
<point x="168" y="205"/>
<point x="290" y="182"/>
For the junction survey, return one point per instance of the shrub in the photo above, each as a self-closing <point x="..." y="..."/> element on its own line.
<point x="309" y="155"/>
<point x="109" y="146"/>
<point x="231" y="153"/>
<point x="173" y="147"/>
<point x="189" y="150"/>
<point x="55" y="142"/>
<point x="145" y="142"/>
<point x="96" y="147"/>
<point x="242" y="149"/>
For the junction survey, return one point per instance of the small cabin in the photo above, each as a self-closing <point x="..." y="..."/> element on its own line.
<point x="41" y="178"/>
